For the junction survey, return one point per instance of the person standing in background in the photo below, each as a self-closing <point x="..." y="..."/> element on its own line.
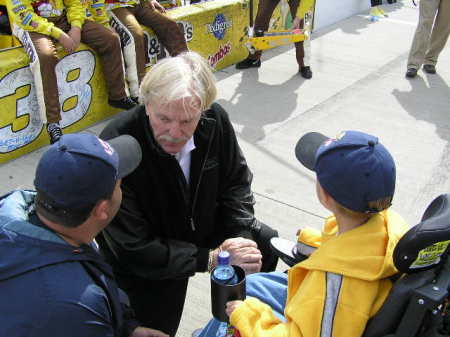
<point x="299" y="8"/>
<point x="431" y="36"/>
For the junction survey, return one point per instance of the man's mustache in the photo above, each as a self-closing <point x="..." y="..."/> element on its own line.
<point x="171" y="139"/>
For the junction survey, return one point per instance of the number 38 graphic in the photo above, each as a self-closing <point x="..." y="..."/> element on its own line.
<point x="26" y="124"/>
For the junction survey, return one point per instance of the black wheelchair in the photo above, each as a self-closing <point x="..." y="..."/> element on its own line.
<point x="418" y="304"/>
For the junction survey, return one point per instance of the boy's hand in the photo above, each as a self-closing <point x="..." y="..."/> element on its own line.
<point x="154" y="4"/>
<point x="141" y="331"/>
<point x="244" y="253"/>
<point x="67" y="42"/>
<point x="75" y="35"/>
<point x="232" y="306"/>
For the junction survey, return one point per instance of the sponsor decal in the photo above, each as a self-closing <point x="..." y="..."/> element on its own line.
<point x="124" y="34"/>
<point x="155" y="50"/>
<point x="19" y="8"/>
<point x="219" y="26"/>
<point x="223" y="51"/>
<point x="24" y="37"/>
<point x="45" y="9"/>
<point x="108" y="149"/>
<point x="187" y="28"/>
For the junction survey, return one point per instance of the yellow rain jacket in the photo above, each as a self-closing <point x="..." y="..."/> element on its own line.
<point x="31" y="15"/>
<point x="337" y="289"/>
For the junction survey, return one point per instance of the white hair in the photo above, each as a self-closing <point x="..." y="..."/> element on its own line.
<point x="187" y="75"/>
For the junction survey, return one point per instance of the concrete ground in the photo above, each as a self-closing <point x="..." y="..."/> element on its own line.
<point x="358" y="83"/>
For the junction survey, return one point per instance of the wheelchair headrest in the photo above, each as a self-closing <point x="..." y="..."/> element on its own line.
<point x="424" y="245"/>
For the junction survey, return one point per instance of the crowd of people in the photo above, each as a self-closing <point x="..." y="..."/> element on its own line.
<point x="119" y="223"/>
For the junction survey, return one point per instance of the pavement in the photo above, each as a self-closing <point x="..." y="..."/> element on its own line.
<point x="358" y="83"/>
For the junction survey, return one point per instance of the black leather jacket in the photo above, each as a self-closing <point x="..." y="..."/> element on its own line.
<point x="165" y="227"/>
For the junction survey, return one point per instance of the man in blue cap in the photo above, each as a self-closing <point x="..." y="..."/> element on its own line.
<point x="53" y="282"/>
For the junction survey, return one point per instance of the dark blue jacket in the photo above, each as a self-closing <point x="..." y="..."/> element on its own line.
<point x="48" y="287"/>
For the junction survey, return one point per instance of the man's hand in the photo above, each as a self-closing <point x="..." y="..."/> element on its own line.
<point x="155" y="5"/>
<point x="296" y="23"/>
<point x="141" y="331"/>
<point x="67" y="42"/>
<point x="244" y="253"/>
<point x="75" y="35"/>
<point x="231" y="306"/>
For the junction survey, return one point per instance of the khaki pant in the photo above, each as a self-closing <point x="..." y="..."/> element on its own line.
<point x="263" y="15"/>
<point x="166" y="30"/>
<point x="431" y="34"/>
<point x="102" y="40"/>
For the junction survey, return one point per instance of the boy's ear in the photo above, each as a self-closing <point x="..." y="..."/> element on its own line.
<point x="100" y="211"/>
<point x="325" y="199"/>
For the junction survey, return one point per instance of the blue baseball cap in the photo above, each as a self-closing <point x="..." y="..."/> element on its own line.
<point x="354" y="168"/>
<point x="80" y="169"/>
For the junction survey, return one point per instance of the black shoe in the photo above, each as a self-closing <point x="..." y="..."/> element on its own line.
<point x="124" y="103"/>
<point x="429" y="68"/>
<point x="305" y="72"/>
<point x="54" y="132"/>
<point x="248" y="63"/>
<point x="411" y="72"/>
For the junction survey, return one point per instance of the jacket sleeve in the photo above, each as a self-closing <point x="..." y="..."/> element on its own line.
<point x="255" y="318"/>
<point x="305" y="6"/>
<point x="130" y="239"/>
<point x="76" y="13"/>
<point x="236" y="200"/>
<point x="310" y="236"/>
<point x="23" y="15"/>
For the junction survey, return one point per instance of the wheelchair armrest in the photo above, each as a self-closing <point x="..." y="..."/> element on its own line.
<point x="290" y="252"/>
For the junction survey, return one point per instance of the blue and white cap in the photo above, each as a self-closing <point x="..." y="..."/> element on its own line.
<point x="354" y="168"/>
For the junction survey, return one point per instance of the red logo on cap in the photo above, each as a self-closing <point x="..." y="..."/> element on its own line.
<point x="108" y="149"/>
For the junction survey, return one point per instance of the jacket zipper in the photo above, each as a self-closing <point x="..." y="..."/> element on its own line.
<point x="194" y="200"/>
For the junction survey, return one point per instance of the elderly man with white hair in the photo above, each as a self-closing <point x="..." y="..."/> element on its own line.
<point x="190" y="197"/>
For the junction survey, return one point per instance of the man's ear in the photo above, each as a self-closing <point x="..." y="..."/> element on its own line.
<point x="100" y="211"/>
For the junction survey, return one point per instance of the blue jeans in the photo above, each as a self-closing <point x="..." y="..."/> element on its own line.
<point x="270" y="288"/>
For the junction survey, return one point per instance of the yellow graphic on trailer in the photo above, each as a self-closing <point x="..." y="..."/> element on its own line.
<point x="274" y="39"/>
<point x="430" y="255"/>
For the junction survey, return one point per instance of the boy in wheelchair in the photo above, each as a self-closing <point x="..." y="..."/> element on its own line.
<point x="346" y="280"/>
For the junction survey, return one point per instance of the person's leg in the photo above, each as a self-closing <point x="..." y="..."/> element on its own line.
<point x="166" y="29"/>
<point x="300" y="52"/>
<point x="262" y="20"/>
<point x="135" y="61"/>
<point x="107" y="44"/>
<point x="158" y="304"/>
<point x="270" y="288"/>
<point x="427" y="12"/>
<point x="43" y="60"/>
<point x="45" y="63"/>
<point x="132" y="35"/>
<point x="440" y="33"/>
